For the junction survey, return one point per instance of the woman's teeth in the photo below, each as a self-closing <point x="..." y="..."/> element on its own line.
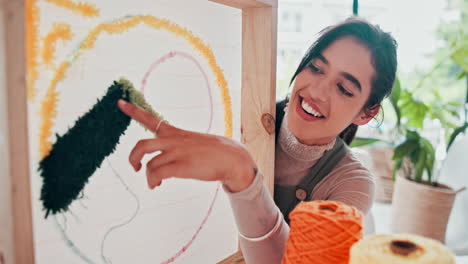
<point x="308" y="109"/>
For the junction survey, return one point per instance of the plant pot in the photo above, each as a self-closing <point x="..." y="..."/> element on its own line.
<point x="382" y="169"/>
<point x="384" y="189"/>
<point x="421" y="209"/>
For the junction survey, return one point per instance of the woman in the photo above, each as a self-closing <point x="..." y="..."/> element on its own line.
<point x="338" y="85"/>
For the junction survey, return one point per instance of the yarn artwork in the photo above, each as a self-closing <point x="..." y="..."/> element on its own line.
<point x="80" y="151"/>
<point x="58" y="32"/>
<point x="116" y="27"/>
<point x="400" y="249"/>
<point x="32" y="49"/>
<point x="32" y="20"/>
<point x="173" y="54"/>
<point x="322" y="232"/>
<point x="82" y="8"/>
<point x="94" y="202"/>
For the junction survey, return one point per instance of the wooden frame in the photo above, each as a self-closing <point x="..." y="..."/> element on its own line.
<point x="259" y="27"/>
<point x="20" y="247"/>
<point x="259" y="20"/>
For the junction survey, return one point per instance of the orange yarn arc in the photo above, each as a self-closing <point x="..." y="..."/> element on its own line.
<point x="322" y="232"/>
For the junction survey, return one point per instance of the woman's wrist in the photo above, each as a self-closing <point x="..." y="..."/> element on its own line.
<point x="240" y="178"/>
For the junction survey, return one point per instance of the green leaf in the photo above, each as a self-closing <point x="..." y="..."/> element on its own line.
<point x="404" y="149"/>
<point x="418" y="114"/>
<point x="445" y="113"/>
<point x="414" y="110"/>
<point x="461" y="75"/>
<point x="362" y="141"/>
<point x="394" y="98"/>
<point x="454" y="104"/>
<point x="429" y="153"/>
<point x="419" y="165"/>
<point x="460" y="56"/>
<point x="421" y="153"/>
<point x="396" y="167"/>
<point x="455" y="133"/>
<point x="412" y="135"/>
<point x="446" y="108"/>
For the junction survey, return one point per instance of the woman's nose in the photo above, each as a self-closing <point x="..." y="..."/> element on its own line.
<point x="320" y="91"/>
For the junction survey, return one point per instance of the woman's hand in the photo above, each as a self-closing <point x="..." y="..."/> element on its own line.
<point x="191" y="155"/>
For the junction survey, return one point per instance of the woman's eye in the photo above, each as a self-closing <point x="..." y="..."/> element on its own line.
<point x="314" y="69"/>
<point x="344" y="91"/>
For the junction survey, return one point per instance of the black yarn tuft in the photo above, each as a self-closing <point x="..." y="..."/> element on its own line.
<point x="77" y="154"/>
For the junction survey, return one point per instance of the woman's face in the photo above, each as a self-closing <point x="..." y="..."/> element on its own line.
<point x="330" y="92"/>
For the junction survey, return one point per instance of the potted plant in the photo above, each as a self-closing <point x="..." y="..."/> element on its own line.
<point x="422" y="205"/>
<point x="407" y="142"/>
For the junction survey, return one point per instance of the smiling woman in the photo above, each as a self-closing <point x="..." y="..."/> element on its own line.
<point x="338" y="85"/>
<point x="330" y="92"/>
<point x="356" y="63"/>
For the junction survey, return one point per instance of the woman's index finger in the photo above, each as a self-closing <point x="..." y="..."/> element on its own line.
<point x="148" y="120"/>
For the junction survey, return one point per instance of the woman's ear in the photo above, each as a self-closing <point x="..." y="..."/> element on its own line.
<point x="366" y="115"/>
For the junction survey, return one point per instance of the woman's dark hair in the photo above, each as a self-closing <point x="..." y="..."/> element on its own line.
<point x="382" y="47"/>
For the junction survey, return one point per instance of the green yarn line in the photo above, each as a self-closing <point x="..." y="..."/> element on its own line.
<point x="77" y="154"/>
<point x="137" y="98"/>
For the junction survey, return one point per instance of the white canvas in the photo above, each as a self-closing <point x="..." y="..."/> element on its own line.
<point x="118" y="219"/>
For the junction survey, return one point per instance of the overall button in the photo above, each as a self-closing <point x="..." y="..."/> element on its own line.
<point x="301" y="194"/>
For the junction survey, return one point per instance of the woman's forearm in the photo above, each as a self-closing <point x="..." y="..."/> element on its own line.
<point x="263" y="232"/>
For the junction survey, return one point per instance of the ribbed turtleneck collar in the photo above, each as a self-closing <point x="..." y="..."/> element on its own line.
<point x="293" y="159"/>
<point x="295" y="149"/>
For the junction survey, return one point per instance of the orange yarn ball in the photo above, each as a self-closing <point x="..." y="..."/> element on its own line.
<point x="322" y="232"/>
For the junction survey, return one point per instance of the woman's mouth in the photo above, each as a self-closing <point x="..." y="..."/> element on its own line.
<point x="308" y="112"/>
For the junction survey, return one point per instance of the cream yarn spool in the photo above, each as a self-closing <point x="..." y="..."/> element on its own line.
<point x="400" y="249"/>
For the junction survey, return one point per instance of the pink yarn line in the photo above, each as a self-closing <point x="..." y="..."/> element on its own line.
<point x="143" y="84"/>
<point x="186" y="246"/>
<point x="189" y="57"/>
